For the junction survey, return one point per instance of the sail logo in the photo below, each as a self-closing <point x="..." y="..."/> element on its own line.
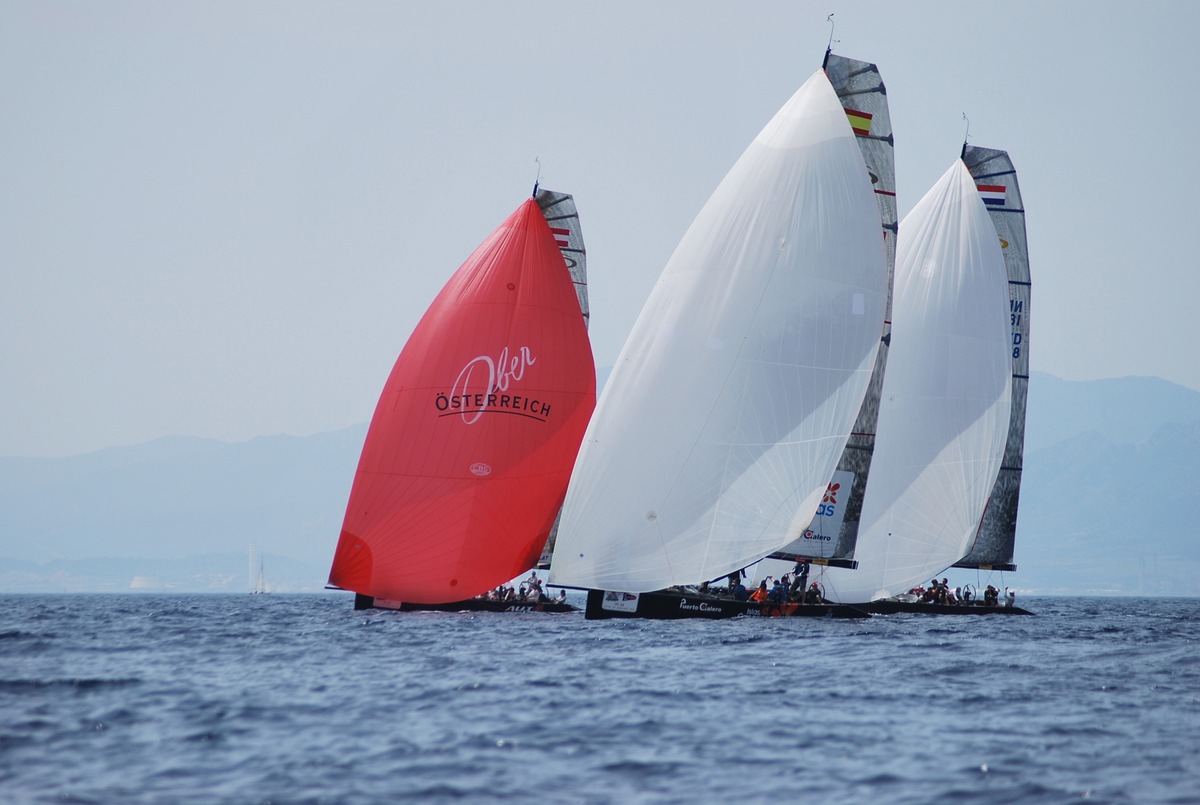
<point x="993" y="195"/>
<point x="482" y="385"/>
<point x="619" y="602"/>
<point x="702" y="606"/>
<point x="860" y="122"/>
<point x="826" y="523"/>
<point x="828" y="507"/>
<point x="480" y="469"/>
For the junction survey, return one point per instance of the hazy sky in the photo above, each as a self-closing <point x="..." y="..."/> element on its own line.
<point x="224" y="219"/>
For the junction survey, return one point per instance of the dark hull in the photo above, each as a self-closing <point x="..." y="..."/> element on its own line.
<point x="602" y="604"/>
<point x="470" y="605"/>
<point x="921" y="608"/>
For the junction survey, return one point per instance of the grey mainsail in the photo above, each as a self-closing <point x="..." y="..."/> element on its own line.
<point x="559" y="210"/>
<point x="831" y="536"/>
<point x="996" y="179"/>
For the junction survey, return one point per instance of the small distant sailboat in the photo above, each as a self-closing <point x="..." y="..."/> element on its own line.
<point x="734" y="395"/>
<point x="467" y="457"/>
<point x="258" y="581"/>
<point x="946" y="404"/>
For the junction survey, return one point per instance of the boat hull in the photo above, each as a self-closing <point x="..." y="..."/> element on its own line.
<point x="923" y="608"/>
<point x="470" y="605"/>
<point x="603" y="604"/>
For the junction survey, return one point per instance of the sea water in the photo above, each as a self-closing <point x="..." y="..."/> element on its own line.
<point x="272" y="698"/>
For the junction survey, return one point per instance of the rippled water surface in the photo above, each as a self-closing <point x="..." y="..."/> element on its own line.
<point x="144" y="698"/>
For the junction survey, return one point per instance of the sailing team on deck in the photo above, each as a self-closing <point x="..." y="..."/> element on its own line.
<point x="529" y="592"/>
<point x="939" y="592"/>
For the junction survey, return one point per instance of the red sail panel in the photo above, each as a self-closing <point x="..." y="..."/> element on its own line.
<point x="467" y="458"/>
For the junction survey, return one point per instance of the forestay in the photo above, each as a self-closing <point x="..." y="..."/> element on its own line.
<point x="733" y="396"/>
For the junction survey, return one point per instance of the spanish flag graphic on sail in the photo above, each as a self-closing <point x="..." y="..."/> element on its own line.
<point x="859" y="121"/>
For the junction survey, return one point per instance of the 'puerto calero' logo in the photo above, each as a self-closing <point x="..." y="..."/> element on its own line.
<point x="483" y="387"/>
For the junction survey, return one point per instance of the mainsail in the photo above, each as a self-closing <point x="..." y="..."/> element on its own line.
<point x="996" y="179"/>
<point x="831" y="536"/>
<point x="733" y="397"/>
<point x="467" y="457"/>
<point x="559" y="211"/>
<point x="946" y="399"/>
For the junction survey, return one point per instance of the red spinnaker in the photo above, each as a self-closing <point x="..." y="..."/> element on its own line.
<point x="467" y="458"/>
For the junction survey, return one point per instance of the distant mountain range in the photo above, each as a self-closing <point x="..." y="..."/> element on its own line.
<point x="1110" y="503"/>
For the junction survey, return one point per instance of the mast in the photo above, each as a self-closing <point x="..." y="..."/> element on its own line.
<point x="831" y="536"/>
<point x="996" y="178"/>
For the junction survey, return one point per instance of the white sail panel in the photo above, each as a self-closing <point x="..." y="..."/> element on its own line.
<point x="943" y="420"/>
<point x="735" y="392"/>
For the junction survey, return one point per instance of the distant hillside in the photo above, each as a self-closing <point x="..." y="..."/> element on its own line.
<point x="1110" y="503"/>
<point x="194" y="503"/>
<point x="1098" y="516"/>
<point x="1124" y="410"/>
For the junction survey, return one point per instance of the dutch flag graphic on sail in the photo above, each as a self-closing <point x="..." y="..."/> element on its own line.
<point x="992" y="194"/>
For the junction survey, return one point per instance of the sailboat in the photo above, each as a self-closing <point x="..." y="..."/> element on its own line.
<point x="732" y="399"/>
<point x="467" y="457"/>
<point x="995" y="539"/>
<point x="258" y="582"/>
<point x="945" y="411"/>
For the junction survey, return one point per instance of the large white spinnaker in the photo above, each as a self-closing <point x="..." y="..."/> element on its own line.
<point x="943" y="419"/>
<point x="737" y="388"/>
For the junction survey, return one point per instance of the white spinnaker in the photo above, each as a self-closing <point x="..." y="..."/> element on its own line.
<point x="737" y="388"/>
<point x="943" y="420"/>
